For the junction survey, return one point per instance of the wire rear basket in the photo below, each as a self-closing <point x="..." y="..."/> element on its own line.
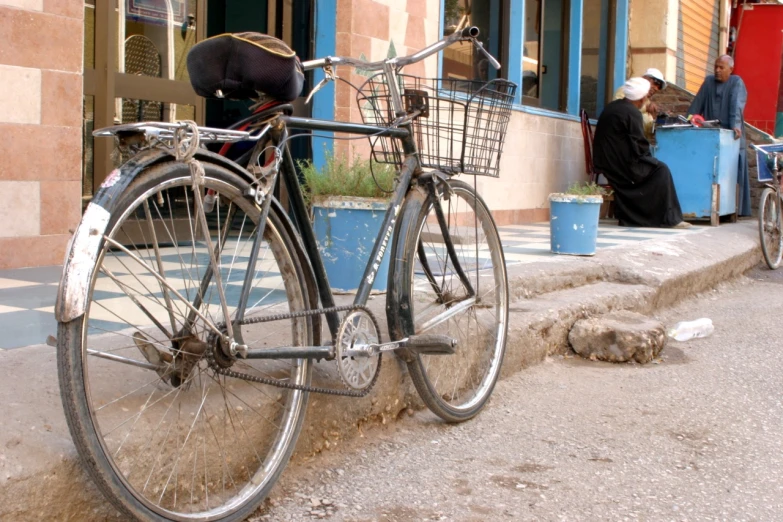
<point x="461" y="128"/>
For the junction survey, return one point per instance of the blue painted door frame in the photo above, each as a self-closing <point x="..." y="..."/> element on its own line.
<point x="323" y="102"/>
<point x="574" y="51"/>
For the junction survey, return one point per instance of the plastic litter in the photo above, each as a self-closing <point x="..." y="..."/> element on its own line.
<point x="685" y="330"/>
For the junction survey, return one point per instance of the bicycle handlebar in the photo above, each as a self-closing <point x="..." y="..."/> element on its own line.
<point x="468" y="34"/>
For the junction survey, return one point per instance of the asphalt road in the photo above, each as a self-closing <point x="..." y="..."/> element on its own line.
<point x="695" y="436"/>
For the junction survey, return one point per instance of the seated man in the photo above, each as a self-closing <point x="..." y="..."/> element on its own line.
<point x="644" y="190"/>
<point x="649" y="109"/>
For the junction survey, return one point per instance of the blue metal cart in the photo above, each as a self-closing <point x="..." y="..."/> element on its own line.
<point x="704" y="167"/>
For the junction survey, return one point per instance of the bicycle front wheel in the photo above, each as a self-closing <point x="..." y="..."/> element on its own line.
<point x="770" y="232"/>
<point x="163" y="432"/>
<point x="435" y="300"/>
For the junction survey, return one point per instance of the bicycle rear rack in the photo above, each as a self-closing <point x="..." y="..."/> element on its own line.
<point x="164" y="131"/>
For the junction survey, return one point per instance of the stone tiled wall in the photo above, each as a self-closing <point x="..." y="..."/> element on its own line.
<point x="541" y="155"/>
<point x="40" y="126"/>
<point x="372" y="29"/>
<point x="673" y="100"/>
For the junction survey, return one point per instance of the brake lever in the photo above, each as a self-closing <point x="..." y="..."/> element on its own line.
<point x="492" y="60"/>
<point x="330" y="76"/>
<point x="316" y="89"/>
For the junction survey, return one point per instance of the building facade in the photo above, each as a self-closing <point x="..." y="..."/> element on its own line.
<point x="40" y="122"/>
<point x="75" y="65"/>
<point x="682" y="38"/>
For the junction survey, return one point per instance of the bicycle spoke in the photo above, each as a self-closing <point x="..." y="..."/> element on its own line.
<point x="159" y="262"/>
<point x="471" y="308"/>
<point x="185" y="441"/>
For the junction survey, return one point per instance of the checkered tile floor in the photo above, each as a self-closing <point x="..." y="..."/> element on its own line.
<point x="27" y="295"/>
<point x="529" y="243"/>
<point x="183" y="270"/>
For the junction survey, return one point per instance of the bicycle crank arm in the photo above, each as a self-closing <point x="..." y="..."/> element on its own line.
<point x="429" y="344"/>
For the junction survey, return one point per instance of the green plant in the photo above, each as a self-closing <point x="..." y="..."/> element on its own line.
<point x="343" y="177"/>
<point x="588" y="188"/>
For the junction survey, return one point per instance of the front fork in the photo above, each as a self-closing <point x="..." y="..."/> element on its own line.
<point x="432" y="189"/>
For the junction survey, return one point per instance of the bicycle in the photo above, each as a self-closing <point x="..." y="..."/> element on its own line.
<point x="187" y="333"/>
<point x="770" y="229"/>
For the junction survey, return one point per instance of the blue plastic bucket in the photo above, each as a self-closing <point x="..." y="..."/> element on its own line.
<point x="345" y="229"/>
<point x="573" y="223"/>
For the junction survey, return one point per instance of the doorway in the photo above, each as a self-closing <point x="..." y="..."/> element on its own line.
<point x="135" y="59"/>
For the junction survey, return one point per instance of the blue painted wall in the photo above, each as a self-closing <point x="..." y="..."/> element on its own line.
<point x="574" y="58"/>
<point x="516" y="38"/>
<point x="323" y="102"/>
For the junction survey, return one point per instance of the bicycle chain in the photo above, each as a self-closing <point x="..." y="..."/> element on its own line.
<point x="276" y="382"/>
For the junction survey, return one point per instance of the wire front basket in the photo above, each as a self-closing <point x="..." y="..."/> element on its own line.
<point x="461" y="126"/>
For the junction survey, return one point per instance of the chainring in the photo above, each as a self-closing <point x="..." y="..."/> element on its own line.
<point x="224" y="366"/>
<point x="358" y="329"/>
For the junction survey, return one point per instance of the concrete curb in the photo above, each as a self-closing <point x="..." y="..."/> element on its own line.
<point x="40" y="475"/>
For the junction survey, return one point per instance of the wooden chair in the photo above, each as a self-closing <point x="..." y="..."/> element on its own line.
<point x="607" y="209"/>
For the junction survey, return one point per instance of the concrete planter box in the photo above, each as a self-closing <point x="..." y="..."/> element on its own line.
<point x="573" y="223"/>
<point x="346" y="228"/>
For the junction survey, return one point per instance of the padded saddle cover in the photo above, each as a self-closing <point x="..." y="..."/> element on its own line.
<point x="239" y="66"/>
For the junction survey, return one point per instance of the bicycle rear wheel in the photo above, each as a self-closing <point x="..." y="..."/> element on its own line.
<point x="770" y="230"/>
<point x="184" y="442"/>
<point x="429" y="297"/>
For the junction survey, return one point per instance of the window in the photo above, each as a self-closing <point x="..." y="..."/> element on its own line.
<point x="462" y="61"/>
<point x="561" y="53"/>
<point x="134" y="69"/>
<point x="597" y="31"/>
<point x="544" y="69"/>
<point x="530" y="55"/>
<point x="135" y="61"/>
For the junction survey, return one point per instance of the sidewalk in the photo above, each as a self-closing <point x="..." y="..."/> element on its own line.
<point x="27" y="295"/>
<point x="635" y="269"/>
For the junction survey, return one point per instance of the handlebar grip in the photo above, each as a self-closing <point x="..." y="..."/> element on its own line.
<point x="470" y="32"/>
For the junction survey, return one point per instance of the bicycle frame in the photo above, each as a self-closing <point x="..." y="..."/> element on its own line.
<point x="277" y="120"/>
<point x="409" y="171"/>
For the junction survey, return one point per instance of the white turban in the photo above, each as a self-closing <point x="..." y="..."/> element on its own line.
<point x="636" y="89"/>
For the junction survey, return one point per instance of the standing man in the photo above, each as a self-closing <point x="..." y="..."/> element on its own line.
<point x="649" y="109"/>
<point x="722" y="97"/>
<point x="644" y="192"/>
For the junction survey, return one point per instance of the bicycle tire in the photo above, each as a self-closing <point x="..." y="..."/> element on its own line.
<point x="455" y="387"/>
<point x="144" y="440"/>
<point x="770" y="230"/>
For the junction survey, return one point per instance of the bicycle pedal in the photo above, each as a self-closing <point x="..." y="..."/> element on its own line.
<point x="431" y="344"/>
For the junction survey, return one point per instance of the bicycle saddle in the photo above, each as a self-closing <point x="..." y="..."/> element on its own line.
<point x="239" y="66"/>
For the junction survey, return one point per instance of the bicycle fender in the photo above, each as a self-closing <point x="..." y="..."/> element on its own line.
<point x="398" y="298"/>
<point x="85" y="245"/>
